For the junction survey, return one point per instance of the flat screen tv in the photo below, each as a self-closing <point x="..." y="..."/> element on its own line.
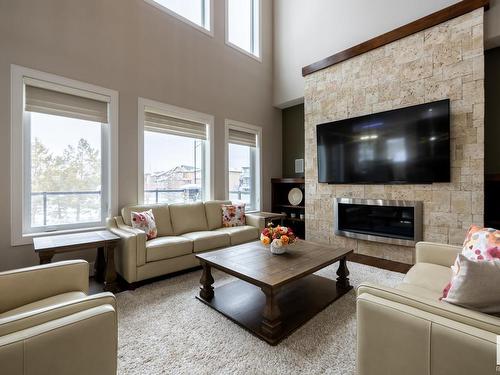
<point x="403" y="146"/>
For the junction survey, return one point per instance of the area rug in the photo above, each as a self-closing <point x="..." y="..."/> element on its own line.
<point x="163" y="329"/>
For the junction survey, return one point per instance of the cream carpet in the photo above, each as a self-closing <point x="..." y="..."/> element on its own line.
<point x="163" y="329"/>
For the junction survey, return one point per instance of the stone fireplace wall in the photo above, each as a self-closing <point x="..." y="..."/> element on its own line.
<point x="446" y="61"/>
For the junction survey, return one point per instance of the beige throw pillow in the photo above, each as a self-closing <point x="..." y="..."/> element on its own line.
<point x="476" y="285"/>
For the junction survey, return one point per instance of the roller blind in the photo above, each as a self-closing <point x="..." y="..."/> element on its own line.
<point x="57" y="103"/>
<point x="174" y="126"/>
<point x="243" y="138"/>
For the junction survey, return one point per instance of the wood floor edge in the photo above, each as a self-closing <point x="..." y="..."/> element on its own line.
<point x="385" y="264"/>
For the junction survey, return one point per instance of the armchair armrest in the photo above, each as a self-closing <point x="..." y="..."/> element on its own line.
<point x="28" y="319"/>
<point x="396" y="338"/>
<point x="25" y="285"/>
<point x="436" y="253"/>
<point x="458" y="314"/>
<point x="44" y="349"/>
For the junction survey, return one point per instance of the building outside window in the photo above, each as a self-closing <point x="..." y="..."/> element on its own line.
<point x="243" y="26"/>
<point x="243" y="164"/>
<point x="176" y="164"/>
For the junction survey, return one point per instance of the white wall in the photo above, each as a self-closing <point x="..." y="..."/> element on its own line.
<point x="134" y="48"/>
<point x="307" y="31"/>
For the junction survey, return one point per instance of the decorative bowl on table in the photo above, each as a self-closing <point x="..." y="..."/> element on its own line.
<point x="277" y="238"/>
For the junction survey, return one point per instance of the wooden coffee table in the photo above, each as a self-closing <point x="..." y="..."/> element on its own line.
<point x="275" y="294"/>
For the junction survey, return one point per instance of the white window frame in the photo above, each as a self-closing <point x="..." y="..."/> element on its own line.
<point x="203" y="29"/>
<point x="257" y="130"/>
<point x="18" y="151"/>
<point x="257" y="56"/>
<point x="181" y="113"/>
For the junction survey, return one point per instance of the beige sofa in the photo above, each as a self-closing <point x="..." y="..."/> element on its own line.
<point x="183" y="231"/>
<point x="48" y="324"/>
<point x="407" y="330"/>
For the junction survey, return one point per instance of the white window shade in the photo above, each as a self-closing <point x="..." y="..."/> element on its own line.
<point x="57" y="103"/>
<point x="174" y="126"/>
<point x="243" y="138"/>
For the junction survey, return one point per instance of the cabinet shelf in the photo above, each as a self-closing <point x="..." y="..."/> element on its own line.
<point x="280" y="189"/>
<point x="290" y="206"/>
<point x="295" y="219"/>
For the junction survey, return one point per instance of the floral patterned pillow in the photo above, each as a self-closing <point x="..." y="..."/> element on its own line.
<point x="233" y="215"/>
<point x="481" y="244"/>
<point x="145" y="221"/>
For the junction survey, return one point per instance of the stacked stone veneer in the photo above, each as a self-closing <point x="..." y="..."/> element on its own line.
<point x="446" y="61"/>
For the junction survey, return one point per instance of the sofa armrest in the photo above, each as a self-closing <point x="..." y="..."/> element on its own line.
<point x="25" y="285"/>
<point x="436" y="253"/>
<point x="132" y="248"/>
<point x="43" y="315"/>
<point x="81" y="343"/>
<point x="459" y="314"/>
<point x="255" y="221"/>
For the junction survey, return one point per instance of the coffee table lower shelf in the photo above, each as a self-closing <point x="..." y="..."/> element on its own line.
<point x="298" y="301"/>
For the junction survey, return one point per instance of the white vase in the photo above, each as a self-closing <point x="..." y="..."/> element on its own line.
<point x="277" y="249"/>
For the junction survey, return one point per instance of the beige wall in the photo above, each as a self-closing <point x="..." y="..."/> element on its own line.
<point x="308" y="31"/>
<point x="134" y="48"/>
<point x="446" y="61"/>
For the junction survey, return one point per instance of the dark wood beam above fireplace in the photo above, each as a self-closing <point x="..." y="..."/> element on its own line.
<point x="443" y="15"/>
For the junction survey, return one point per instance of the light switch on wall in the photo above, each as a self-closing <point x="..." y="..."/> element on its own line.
<point x="299" y="165"/>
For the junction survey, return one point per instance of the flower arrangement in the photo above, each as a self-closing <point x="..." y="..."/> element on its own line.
<point x="278" y="237"/>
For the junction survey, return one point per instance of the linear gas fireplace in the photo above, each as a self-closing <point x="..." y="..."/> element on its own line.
<point x="395" y="222"/>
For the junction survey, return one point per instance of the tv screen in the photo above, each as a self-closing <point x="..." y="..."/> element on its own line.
<point x="409" y="145"/>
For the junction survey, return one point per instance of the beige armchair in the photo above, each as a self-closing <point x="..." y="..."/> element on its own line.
<point x="49" y="325"/>
<point x="408" y="330"/>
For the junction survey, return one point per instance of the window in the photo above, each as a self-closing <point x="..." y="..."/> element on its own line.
<point x="61" y="146"/>
<point x="175" y="160"/>
<point x="194" y="12"/>
<point x="243" y="26"/>
<point x="243" y="168"/>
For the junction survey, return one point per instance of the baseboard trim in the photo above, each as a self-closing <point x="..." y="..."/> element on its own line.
<point x="385" y="264"/>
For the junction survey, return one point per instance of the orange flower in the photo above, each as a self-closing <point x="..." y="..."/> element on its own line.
<point x="285" y="239"/>
<point x="266" y="240"/>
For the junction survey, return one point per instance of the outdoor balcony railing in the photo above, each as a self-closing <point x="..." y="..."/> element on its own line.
<point x="45" y="211"/>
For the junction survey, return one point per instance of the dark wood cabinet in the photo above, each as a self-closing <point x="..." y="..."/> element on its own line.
<point x="280" y="187"/>
<point x="491" y="200"/>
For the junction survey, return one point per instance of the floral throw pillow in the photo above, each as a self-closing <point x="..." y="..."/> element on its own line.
<point x="233" y="215"/>
<point x="480" y="245"/>
<point x="145" y="221"/>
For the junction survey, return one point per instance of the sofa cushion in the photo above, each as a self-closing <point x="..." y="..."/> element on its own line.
<point x="46" y="302"/>
<point x="188" y="217"/>
<point x="161" y="213"/>
<point x="238" y="235"/>
<point x="167" y="247"/>
<point x="213" y="210"/>
<point x="429" y="276"/>
<point x="208" y="240"/>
